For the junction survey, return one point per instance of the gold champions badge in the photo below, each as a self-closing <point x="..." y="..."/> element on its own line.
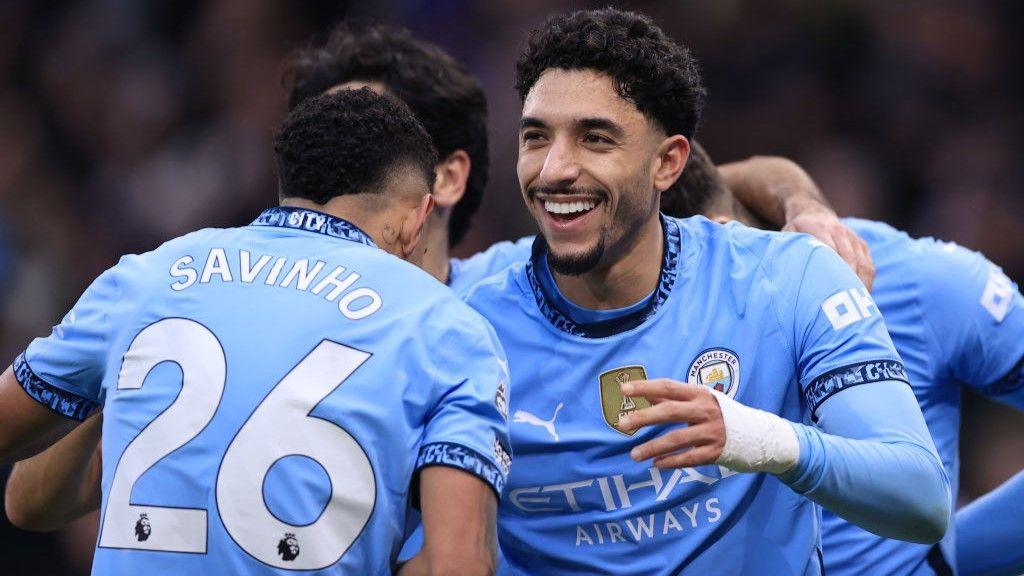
<point x="613" y="403"/>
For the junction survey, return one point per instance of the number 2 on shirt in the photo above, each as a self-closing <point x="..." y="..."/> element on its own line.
<point x="248" y="458"/>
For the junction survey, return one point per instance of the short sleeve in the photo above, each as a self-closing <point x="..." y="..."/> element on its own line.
<point x="975" y="316"/>
<point x="839" y="337"/>
<point x="64" y="371"/>
<point x="468" y="428"/>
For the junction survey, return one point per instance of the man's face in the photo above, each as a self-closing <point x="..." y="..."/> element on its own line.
<point x="585" y="167"/>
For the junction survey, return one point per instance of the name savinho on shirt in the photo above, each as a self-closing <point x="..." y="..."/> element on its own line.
<point x="286" y="272"/>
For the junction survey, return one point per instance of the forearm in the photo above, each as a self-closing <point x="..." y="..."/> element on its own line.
<point x="843" y="474"/>
<point x="871" y="461"/>
<point x="988" y="532"/>
<point x="773" y="188"/>
<point x="60" y="484"/>
<point x="868" y="483"/>
<point x="458" y="525"/>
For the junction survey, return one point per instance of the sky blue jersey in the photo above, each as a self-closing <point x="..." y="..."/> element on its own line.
<point x="957" y="321"/>
<point x="269" y="393"/>
<point x="776" y="321"/>
<point x="464" y="273"/>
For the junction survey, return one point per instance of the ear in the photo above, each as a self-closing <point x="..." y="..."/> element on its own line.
<point x="670" y="161"/>
<point x="452" y="175"/>
<point x="411" y="233"/>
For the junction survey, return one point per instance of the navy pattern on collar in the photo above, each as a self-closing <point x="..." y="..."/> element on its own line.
<point x="560" y="320"/>
<point x="313" y="221"/>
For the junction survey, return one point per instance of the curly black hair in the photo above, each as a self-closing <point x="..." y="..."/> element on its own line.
<point x="699" y="187"/>
<point x="348" y="142"/>
<point x="660" y="77"/>
<point x="449" y="102"/>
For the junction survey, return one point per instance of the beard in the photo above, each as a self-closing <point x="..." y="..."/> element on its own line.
<point x="578" y="263"/>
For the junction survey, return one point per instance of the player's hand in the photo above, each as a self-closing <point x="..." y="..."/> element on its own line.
<point x="821" y="222"/>
<point x="700" y="442"/>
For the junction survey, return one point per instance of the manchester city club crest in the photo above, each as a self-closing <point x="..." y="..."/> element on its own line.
<point x="613" y="403"/>
<point x="718" y="369"/>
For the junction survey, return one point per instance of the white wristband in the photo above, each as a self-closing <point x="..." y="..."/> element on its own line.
<point x="755" y="440"/>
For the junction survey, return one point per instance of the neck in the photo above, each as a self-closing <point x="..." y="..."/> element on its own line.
<point x="435" y="260"/>
<point x="630" y="275"/>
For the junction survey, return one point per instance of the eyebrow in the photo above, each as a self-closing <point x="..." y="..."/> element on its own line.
<point x="581" y="124"/>
<point x="597" y="123"/>
<point x="531" y="122"/>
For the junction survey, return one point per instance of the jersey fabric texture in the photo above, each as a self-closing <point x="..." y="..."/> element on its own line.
<point x="269" y="393"/>
<point x="776" y="321"/>
<point x="957" y="321"/>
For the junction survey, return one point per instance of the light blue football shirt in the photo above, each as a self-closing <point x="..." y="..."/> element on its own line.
<point x="957" y="321"/>
<point x="269" y="393"/>
<point x="464" y="273"/>
<point x="775" y="320"/>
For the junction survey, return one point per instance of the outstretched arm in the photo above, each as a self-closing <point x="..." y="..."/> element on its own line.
<point x="60" y="484"/>
<point x="865" y="429"/>
<point x="458" y="525"/>
<point x="781" y="193"/>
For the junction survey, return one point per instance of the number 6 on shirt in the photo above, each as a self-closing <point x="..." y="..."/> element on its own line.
<point x="248" y="458"/>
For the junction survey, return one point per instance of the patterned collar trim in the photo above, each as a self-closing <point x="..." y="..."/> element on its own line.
<point x="313" y="221"/>
<point x="561" y="320"/>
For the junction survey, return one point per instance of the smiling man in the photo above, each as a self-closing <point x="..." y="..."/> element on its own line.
<point x="617" y="473"/>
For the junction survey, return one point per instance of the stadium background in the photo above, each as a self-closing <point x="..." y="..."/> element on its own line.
<point x="124" y="123"/>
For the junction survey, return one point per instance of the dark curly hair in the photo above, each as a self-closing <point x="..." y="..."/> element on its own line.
<point x="347" y="143"/>
<point x="698" y="189"/>
<point x="660" y="77"/>
<point x="449" y="102"/>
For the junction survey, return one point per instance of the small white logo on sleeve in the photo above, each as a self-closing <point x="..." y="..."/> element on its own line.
<point x="998" y="296"/>
<point x="847" y="307"/>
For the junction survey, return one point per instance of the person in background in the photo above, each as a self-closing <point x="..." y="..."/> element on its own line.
<point x="957" y="322"/>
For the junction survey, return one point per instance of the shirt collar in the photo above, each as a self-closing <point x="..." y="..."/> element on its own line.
<point x="547" y="302"/>
<point x="312" y="221"/>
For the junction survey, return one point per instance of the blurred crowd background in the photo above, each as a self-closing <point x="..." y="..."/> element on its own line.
<point x="124" y="123"/>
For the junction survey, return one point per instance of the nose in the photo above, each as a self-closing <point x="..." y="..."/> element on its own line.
<point x="561" y="166"/>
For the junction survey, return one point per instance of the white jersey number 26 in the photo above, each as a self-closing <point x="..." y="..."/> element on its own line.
<point x="283" y="416"/>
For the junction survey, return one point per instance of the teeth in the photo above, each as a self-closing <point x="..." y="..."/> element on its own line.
<point x="568" y="207"/>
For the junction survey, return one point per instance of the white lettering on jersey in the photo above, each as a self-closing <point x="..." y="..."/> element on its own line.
<point x="847" y="307"/>
<point x="651" y="526"/>
<point x="179" y="270"/>
<point x="216" y="263"/>
<point x="998" y="295"/>
<point x="652" y="486"/>
<point x="301" y="275"/>
<point x="522" y="416"/>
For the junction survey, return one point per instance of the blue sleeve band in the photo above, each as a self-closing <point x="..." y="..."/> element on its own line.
<point x="1012" y="382"/>
<point x="833" y="381"/>
<point x="59" y="401"/>
<point x="461" y="458"/>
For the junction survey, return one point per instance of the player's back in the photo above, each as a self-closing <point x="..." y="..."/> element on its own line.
<point x="280" y="384"/>
<point x="950" y="313"/>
